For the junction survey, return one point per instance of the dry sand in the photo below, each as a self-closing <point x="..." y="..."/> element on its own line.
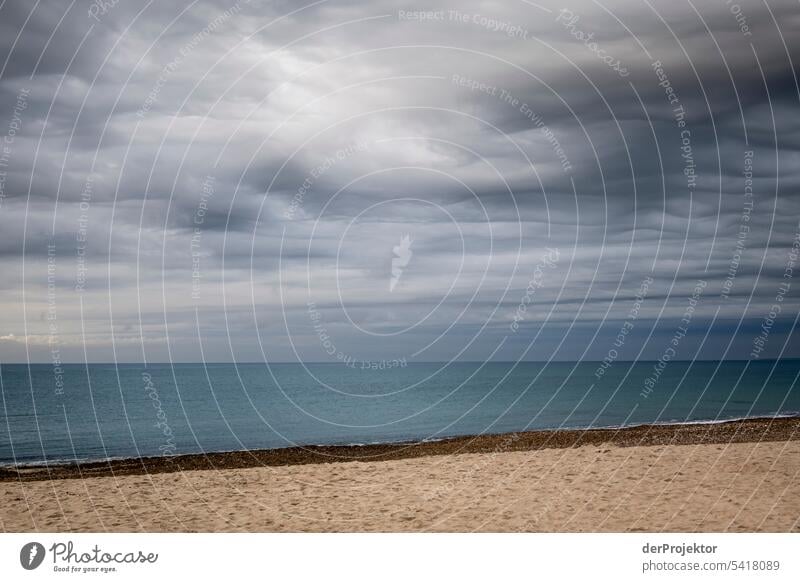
<point x="744" y="486"/>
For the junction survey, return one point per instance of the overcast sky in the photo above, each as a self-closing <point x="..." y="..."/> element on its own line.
<point x="331" y="180"/>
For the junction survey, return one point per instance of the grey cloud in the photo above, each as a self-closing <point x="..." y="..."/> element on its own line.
<point x="161" y="96"/>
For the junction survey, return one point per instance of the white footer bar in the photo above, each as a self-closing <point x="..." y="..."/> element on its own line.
<point x="401" y="557"/>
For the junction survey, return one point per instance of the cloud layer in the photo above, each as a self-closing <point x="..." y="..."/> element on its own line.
<point x="235" y="180"/>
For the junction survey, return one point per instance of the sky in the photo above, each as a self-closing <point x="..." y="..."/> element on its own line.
<point x="341" y="181"/>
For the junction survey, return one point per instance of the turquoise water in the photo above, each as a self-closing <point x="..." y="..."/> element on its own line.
<point x="79" y="412"/>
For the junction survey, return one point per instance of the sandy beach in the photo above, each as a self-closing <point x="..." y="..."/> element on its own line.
<point x="739" y="476"/>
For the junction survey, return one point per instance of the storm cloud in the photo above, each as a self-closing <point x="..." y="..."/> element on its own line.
<point x="339" y="180"/>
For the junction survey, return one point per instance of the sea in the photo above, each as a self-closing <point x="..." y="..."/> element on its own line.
<point x="77" y="412"/>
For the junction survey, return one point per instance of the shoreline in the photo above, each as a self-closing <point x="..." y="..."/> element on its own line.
<point x="722" y="432"/>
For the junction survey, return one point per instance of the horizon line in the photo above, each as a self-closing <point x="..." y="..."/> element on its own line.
<point x="392" y="359"/>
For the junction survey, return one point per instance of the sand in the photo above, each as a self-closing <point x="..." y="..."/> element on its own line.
<point x="743" y="486"/>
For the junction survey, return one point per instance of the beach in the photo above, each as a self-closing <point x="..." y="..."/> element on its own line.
<point x="733" y="476"/>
